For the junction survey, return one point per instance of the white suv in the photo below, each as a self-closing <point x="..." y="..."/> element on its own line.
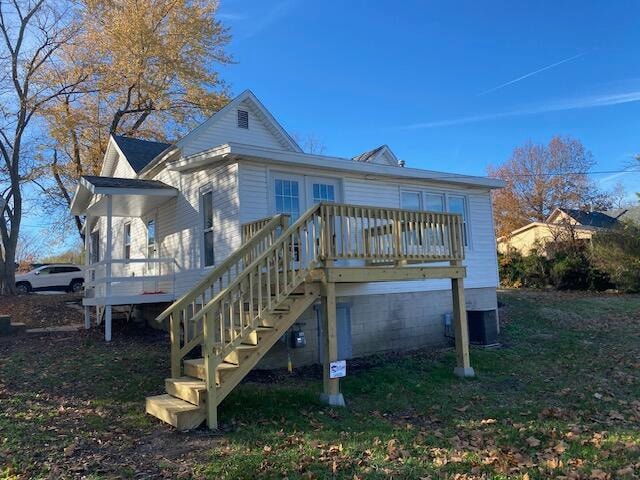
<point x="51" y="277"/>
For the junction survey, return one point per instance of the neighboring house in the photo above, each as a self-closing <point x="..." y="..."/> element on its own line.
<point x="375" y="258"/>
<point x="563" y="224"/>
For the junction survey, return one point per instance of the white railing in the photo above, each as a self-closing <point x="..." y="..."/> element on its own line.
<point x="130" y="277"/>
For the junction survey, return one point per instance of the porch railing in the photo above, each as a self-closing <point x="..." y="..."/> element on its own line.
<point x="131" y="276"/>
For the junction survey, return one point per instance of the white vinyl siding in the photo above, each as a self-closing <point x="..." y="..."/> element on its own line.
<point x="225" y="129"/>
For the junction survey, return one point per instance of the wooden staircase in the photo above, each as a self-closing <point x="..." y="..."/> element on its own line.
<point x="241" y="309"/>
<point x="183" y="406"/>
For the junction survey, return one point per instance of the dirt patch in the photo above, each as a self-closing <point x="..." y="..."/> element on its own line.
<point x="36" y="310"/>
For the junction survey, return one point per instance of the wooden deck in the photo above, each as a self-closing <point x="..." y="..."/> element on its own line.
<point x="249" y="301"/>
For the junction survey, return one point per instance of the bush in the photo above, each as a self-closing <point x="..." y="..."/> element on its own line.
<point x="617" y="253"/>
<point x="570" y="268"/>
<point x="571" y="271"/>
<point x="518" y="271"/>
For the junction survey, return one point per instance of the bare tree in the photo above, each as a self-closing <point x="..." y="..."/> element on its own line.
<point x="31" y="34"/>
<point x="310" y="143"/>
<point x="540" y="178"/>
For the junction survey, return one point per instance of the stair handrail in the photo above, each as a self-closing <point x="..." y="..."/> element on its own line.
<point x="284" y="237"/>
<point x="219" y="271"/>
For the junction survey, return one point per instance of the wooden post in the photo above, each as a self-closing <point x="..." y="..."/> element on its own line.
<point x="463" y="364"/>
<point x="331" y="386"/>
<point x="107" y="260"/>
<point x="210" y="365"/>
<point x="174" y="333"/>
<point x="87" y="263"/>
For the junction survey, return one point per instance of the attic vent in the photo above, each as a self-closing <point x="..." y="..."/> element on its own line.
<point x="243" y="119"/>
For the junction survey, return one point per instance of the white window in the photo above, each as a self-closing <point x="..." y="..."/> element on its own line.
<point x="458" y="204"/>
<point x="434" y="202"/>
<point x="207" y="227"/>
<point x="151" y="238"/>
<point x="438" y="202"/>
<point x="411" y="201"/>
<point x="94" y="247"/>
<point x="323" y="192"/>
<point x="287" y="197"/>
<point x="127" y="240"/>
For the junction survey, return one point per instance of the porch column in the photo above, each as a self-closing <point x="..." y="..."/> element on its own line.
<point x="87" y="262"/>
<point x="107" y="260"/>
<point x="331" y="386"/>
<point x="463" y="364"/>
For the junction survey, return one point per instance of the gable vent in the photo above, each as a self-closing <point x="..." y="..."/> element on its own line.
<point x="243" y="119"/>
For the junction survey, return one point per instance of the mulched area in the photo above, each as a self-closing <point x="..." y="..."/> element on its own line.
<point x="38" y="310"/>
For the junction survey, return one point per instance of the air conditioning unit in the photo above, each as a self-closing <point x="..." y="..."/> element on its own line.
<point x="483" y="327"/>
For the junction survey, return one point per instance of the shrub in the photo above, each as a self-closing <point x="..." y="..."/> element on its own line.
<point x="571" y="271"/>
<point x="617" y="253"/>
<point x="518" y="271"/>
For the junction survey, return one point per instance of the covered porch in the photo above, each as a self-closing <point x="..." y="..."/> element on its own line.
<point x="110" y="279"/>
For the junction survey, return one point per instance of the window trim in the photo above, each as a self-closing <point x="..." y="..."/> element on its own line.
<point x="203" y="244"/>
<point x="126" y="242"/>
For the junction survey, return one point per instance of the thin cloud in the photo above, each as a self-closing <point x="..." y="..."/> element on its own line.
<point x="591" y="101"/>
<point x="266" y="20"/>
<point x="531" y="74"/>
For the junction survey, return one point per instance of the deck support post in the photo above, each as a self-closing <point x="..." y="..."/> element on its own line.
<point x="210" y="366"/>
<point x="331" y="386"/>
<point x="87" y="318"/>
<point x="107" y="260"/>
<point x="463" y="363"/>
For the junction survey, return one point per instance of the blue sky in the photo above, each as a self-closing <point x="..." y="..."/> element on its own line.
<point x="451" y="86"/>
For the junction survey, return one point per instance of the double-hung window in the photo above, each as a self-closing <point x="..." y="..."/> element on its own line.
<point x="206" y="206"/>
<point x="127" y="240"/>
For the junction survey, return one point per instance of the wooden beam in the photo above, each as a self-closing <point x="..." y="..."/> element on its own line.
<point x="384" y="274"/>
<point x="331" y="386"/>
<point x="463" y="363"/>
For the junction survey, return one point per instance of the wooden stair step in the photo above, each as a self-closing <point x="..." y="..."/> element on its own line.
<point x="195" y="368"/>
<point x="189" y="389"/>
<point x="174" y="411"/>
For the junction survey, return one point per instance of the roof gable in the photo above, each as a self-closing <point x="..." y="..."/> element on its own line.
<point x="381" y="156"/>
<point x="263" y="129"/>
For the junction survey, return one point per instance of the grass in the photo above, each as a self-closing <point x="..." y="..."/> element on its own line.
<point x="561" y="398"/>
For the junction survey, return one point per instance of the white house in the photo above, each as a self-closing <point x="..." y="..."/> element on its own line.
<point x="385" y="244"/>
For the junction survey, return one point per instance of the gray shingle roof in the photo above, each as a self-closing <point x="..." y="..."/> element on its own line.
<point x="592" y="219"/>
<point x="367" y="156"/>
<point x="114" y="182"/>
<point x="139" y="152"/>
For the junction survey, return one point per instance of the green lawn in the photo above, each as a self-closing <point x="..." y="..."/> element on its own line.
<point x="561" y="398"/>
